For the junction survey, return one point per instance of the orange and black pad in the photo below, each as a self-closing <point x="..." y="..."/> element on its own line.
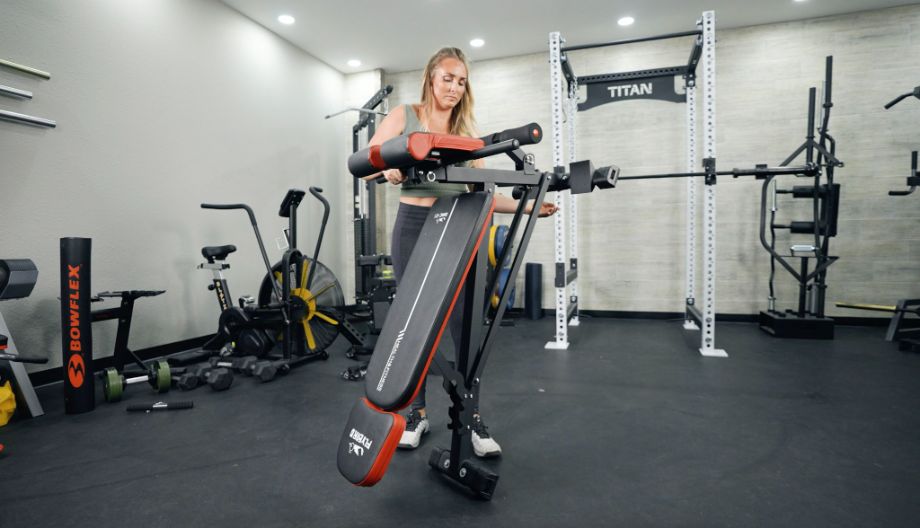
<point x="407" y="150"/>
<point x="368" y="443"/>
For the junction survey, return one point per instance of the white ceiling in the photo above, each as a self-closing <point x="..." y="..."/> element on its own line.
<point x="400" y="35"/>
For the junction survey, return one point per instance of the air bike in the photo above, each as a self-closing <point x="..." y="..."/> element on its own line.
<point x="449" y="260"/>
<point x="298" y="303"/>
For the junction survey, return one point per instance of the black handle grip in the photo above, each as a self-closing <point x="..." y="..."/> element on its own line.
<point x="897" y="100"/>
<point x="393" y="152"/>
<point x="160" y="406"/>
<point x="530" y="134"/>
<point x="317" y="193"/>
<point x="252" y="215"/>
<point x="224" y="206"/>
<point x="5" y="356"/>
<point x="359" y="163"/>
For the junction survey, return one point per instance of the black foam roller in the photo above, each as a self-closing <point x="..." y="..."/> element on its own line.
<point x="533" y="290"/>
<point x="76" y="321"/>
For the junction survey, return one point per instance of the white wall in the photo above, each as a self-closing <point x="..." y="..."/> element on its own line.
<point x="161" y="105"/>
<point x="631" y="239"/>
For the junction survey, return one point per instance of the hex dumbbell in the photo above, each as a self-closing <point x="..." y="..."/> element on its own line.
<point x="265" y="371"/>
<point x="218" y="379"/>
<point x="243" y="365"/>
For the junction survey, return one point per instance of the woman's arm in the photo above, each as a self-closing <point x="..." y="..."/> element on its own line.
<point x="503" y="204"/>
<point x="391" y="126"/>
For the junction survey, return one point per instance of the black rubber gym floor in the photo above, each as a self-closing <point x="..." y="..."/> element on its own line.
<point x="630" y="427"/>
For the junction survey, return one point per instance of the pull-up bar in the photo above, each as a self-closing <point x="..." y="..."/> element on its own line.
<point x="632" y="41"/>
<point x="621" y="85"/>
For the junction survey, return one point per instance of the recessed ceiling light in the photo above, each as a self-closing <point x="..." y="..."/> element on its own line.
<point x="287" y="20"/>
<point x="477" y="42"/>
<point x="799" y="1"/>
<point x="626" y="21"/>
<point x="354" y="63"/>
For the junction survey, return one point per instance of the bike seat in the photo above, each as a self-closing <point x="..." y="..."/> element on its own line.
<point x="213" y="253"/>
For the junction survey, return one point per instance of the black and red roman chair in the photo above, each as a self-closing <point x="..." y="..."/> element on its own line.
<point x="449" y="260"/>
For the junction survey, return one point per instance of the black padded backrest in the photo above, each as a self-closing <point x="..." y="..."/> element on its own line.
<point x="419" y="313"/>
<point x="17" y="278"/>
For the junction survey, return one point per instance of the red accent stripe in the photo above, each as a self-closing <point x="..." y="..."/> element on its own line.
<point x="382" y="462"/>
<point x="420" y="144"/>
<point x="453" y="302"/>
<point x="375" y="158"/>
<point x="446" y="141"/>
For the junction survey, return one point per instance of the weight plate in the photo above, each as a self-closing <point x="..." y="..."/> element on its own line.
<point x="112" y="385"/>
<point x="492" y="258"/>
<point x="502" y="282"/>
<point x="498" y="235"/>
<point x="163" y="376"/>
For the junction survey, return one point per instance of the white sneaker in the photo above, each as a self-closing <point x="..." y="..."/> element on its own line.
<point x="484" y="446"/>
<point x="416" y="426"/>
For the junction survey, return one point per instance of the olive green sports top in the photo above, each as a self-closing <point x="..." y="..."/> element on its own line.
<point x="426" y="189"/>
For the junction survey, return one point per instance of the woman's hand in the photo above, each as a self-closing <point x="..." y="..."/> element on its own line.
<point x="546" y="209"/>
<point x="394" y="176"/>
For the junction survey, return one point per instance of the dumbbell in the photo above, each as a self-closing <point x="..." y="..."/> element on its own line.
<point x="114" y="383"/>
<point x="187" y="381"/>
<point x="243" y="364"/>
<point x="218" y="379"/>
<point x="265" y="371"/>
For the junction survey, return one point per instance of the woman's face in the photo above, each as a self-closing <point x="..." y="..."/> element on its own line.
<point x="448" y="83"/>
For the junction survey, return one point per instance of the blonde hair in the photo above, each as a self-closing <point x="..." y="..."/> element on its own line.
<point x="462" y="122"/>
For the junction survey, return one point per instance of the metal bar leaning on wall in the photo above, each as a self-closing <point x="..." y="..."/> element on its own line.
<point x="23" y="119"/>
<point x="25" y="69"/>
<point x="9" y="91"/>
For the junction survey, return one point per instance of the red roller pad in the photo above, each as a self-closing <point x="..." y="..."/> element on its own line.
<point x="375" y="158"/>
<point x="422" y="143"/>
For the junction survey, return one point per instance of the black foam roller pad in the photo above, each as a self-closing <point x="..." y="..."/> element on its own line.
<point x="410" y="336"/>
<point x="533" y="290"/>
<point x="76" y="325"/>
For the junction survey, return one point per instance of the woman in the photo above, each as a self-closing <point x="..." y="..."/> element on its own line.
<point x="446" y="107"/>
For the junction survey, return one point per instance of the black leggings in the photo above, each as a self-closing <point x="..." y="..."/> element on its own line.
<point x="406" y="230"/>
